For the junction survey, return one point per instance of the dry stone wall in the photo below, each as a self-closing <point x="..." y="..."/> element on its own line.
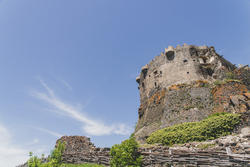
<point x="79" y="149"/>
<point x="224" y="152"/>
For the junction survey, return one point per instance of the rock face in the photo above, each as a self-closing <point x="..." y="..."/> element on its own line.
<point x="185" y="84"/>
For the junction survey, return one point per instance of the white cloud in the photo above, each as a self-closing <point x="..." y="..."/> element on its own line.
<point x="90" y="126"/>
<point x="10" y="155"/>
<point x="58" y="135"/>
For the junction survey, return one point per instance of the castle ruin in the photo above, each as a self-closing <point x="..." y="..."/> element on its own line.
<point x="160" y="105"/>
<point x="182" y="64"/>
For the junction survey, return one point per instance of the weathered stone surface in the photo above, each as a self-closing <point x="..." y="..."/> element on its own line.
<point x="245" y="132"/>
<point x="223" y="152"/>
<point x="243" y="74"/>
<point x="179" y="86"/>
<point x="76" y="144"/>
<point x="184" y="64"/>
<point x="79" y="149"/>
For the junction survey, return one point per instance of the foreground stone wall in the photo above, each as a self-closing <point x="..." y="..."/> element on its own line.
<point x="182" y="157"/>
<point x="224" y="152"/>
<point x="79" y="149"/>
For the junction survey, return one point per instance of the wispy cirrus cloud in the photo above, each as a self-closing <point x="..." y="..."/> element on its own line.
<point x="52" y="133"/>
<point x="90" y="126"/>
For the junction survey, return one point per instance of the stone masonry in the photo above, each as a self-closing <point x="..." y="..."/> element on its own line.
<point x="223" y="152"/>
<point x="180" y="85"/>
<point x="182" y="64"/>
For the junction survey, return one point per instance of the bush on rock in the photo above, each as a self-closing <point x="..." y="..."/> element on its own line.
<point x="215" y="126"/>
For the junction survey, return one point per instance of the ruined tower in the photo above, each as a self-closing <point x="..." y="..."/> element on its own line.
<point x="185" y="64"/>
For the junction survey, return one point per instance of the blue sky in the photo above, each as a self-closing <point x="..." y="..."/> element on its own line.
<point x="68" y="67"/>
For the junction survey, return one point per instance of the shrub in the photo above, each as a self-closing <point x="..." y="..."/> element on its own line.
<point x="125" y="154"/>
<point x="216" y="125"/>
<point x="230" y="75"/>
<point x="34" y="161"/>
<point x="56" y="154"/>
<point x="81" y="165"/>
<point x="55" y="159"/>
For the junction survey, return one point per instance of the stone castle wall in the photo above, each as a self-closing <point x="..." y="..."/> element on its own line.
<point x="176" y="87"/>
<point x="182" y="64"/>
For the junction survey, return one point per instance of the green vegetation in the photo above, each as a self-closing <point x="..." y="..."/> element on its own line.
<point x="34" y="161"/>
<point x="219" y="82"/>
<point x="216" y="125"/>
<point x="230" y="75"/>
<point x="81" y="165"/>
<point x="125" y="154"/>
<point x="205" y="146"/>
<point x="55" y="159"/>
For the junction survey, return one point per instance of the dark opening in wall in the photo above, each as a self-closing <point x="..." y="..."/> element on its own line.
<point x="193" y="51"/>
<point x="187" y="72"/>
<point x="185" y="61"/>
<point x="210" y="71"/>
<point x="170" y="55"/>
<point x="206" y="71"/>
<point x="160" y="72"/>
<point x="204" y="60"/>
<point x="193" y="60"/>
<point x="155" y="72"/>
<point x="142" y="85"/>
<point x="144" y="73"/>
<point x="155" y="84"/>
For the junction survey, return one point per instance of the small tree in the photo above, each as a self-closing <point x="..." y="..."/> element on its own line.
<point x="56" y="154"/>
<point x="125" y="154"/>
<point x="55" y="159"/>
<point x="34" y="161"/>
